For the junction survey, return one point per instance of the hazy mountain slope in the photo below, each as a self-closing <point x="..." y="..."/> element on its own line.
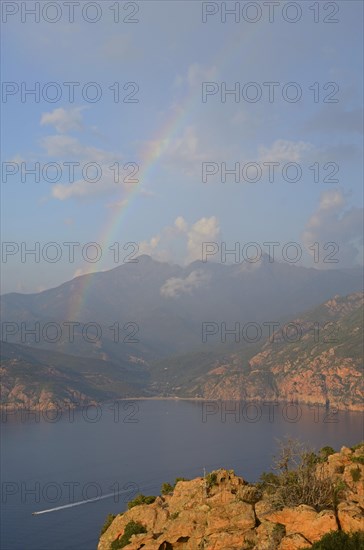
<point x="169" y="302"/>
<point x="33" y="378"/>
<point x="324" y="365"/>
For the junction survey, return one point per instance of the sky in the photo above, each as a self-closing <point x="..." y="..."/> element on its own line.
<point x="166" y="97"/>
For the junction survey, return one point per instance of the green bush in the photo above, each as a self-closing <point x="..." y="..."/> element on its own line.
<point x="179" y="479"/>
<point x="311" y="458"/>
<point x="355" y="474"/>
<point x="268" y="482"/>
<point x="338" y="540"/>
<point x="300" y="479"/>
<point x="325" y="452"/>
<point x="167" y="488"/>
<point x="211" y="480"/>
<point x="358" y="459"/>
<point x="131" y="528"/>
<point x="109" y="519"/>
<point x="141" y="499"/>
<point x="338" y="490"/>
<point x="358" y="446"/>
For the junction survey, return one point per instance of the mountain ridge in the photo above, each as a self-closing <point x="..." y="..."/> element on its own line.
<point x="313" y="370"/>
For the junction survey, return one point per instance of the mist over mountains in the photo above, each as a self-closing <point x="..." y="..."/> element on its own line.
<point x="158" y="350"/>
<point x="162" y="307"/>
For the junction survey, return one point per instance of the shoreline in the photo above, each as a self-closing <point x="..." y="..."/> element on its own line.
<point x="8" y="408"/>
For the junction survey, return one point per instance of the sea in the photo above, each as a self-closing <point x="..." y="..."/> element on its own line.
<point x="64" y="471"/>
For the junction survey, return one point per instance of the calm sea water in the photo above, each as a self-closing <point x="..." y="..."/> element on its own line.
<point x="134" y="447"/>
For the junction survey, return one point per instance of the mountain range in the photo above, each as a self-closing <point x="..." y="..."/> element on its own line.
<point x="139" y="331"/>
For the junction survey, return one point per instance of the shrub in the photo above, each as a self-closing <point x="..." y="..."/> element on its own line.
<point x="167" y="488"/>
<point x="179" y="479"/>
<point x="355" y="474"/>
<point x="211" y="480"/>
<point x="300" y="480"/>
<point x="141" y="499"/>
<point x="338" y="540"/>
<point x="109" y="519"/>
<point x="325" y="452"/>
<point x="174" y="515"/>
<point x="268" y="482"/>
<point x="131" y="528"/>
<point x="358" y="459"/>
<point x="311" y="458"/>
<point x="338" y="490"/>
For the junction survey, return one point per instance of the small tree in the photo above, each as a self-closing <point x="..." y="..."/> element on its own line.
<point x="141" y="499"/>
<point x="166" y="489"/>
<point x="338" y="540"/>
<point x="355" y="474"/>
<point x="211" y="480"/>
<point x="325" y="452"/>
<point x="299" y="479"/>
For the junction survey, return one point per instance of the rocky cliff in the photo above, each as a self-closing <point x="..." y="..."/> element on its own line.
<point x="224" y="512"/>
<point x="316" y="358"/>
<point x="34" y="379"/>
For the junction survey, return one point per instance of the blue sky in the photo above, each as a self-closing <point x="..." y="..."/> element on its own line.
<point x="171" y="132"/>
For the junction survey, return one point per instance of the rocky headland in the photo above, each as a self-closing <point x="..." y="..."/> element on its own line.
<point x="222" y="511"/>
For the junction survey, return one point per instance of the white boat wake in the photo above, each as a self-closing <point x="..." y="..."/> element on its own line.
<point x="79" y="503"/>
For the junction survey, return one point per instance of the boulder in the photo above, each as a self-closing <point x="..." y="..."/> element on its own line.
<point x="351" y="517"/>
<point x="305" y="521"/>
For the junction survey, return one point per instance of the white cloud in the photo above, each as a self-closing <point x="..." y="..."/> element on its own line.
<point x="205" y="229"/>
<point x="181" y="224"/>
<point x="150" y="247"/>
<point x="68" y="147"/>
<point x="82" y="188"/>
<point x="175" y="286"/>
<point x="332" y="222"/>
<point x="182" y="239"/>
<point x="64" y="120"/>
<point x="284" y="151"/>
<point x="331" y="200"/>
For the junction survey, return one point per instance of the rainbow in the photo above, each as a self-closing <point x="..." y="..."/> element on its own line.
<point x="150" y="157"/>
<point x="153" y="152"/>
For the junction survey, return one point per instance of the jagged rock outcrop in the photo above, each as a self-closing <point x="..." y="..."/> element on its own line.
<point x="225" y="512"/>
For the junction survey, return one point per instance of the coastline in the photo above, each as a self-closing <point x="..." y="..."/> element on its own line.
<point x="4" y="407"/>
